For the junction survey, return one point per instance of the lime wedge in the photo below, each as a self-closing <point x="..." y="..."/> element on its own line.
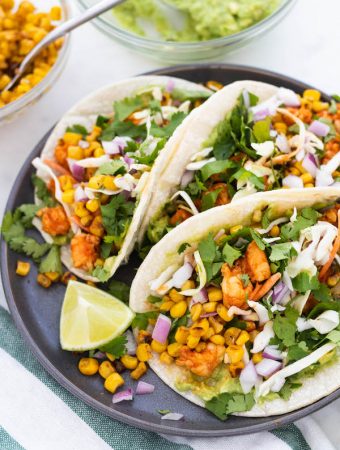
<point x="91" y="318"/>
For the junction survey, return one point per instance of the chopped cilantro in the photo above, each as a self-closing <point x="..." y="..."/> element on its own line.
<point x="257" y="238"/>
<point x="285" y="326"/>
<point x="25" y="214"/>
<point x="117" y="347"/>
<point x="215" y="167"/>
<point x="306" y="218"/>
<point x="323" y="293"/>
<point x="207" y="249"/>
<point x="163" y="411"/>
<point x="227" y="403"/>
<point x="124" y="108"/>
<point x="141" y="320"/>
<point x="334" y="336"/>
<point x="303" y="282"/>
<point x="244" y="175"/>
<point x="51" y="262"/>
<point x="167" y="130"/>
<point x="78" y="129"/>
<point x="182" y="247"/>
<point x="245" y="279"/>
<point x="29" y="247"/>
<point x="129" y="129"/>
<point x="42" y="192"/>
<point x="153" y="299"/>
<point x="120" y="290"/>
<point x="117" y="216"/>
<point x="112" y="168"/>
<point x="209" y="199"/>
<point x="297" y="351"/>
<point x="230" y="254"/>
<point x="102" y="121"/>
<point x="280" y="251"/>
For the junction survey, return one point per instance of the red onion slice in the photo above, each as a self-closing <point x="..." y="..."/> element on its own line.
<point x="272" y="352"/>
<point x="246" y="98"/>
<point x="310" y="164"/>
<point x="282" y="143"/>
<point x="211" y="314"/>
<point x="319" y="128"/>
<point x="79" y="194"/>
<point x="77" y="171"/>
<point x="201" y="296"/>
<point x="131" y="343"/>
<point x="267" y="367"/>
<point x="172" y="416"/>
<point x="170" y="85"/>
<point x="323" y="179"/>
<point x="292" y="181"/>
<point x="144" y="388"/>
<point x="261" y="114"/>
<point x="99" y="355"/>
<point x="280" y="290"/>
<point x="123" y="395"/>
<point x="187" y="177"/>
<point x="248" y="377"/>
<point x="162" y="328"/>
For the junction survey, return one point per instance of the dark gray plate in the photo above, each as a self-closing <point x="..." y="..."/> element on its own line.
<point x="36" y="314"/>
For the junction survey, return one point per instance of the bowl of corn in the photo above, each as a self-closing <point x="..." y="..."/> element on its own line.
<point x="22" y="25"/>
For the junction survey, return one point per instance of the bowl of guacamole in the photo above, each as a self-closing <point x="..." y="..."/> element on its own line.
<point x="189" y="30"/>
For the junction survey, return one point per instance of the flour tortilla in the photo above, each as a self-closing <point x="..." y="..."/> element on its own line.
<point x="204" y="121"/>
<point x="164" y="254"/>
<point x="85" y="113"/>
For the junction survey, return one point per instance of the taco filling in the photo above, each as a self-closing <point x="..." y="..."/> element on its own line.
<point x="252" y="309"/>
<point x="287" y="141"/>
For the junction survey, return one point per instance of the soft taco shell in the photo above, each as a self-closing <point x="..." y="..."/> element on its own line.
<point x="85" y="113"/>
<point x="163" y="254"/>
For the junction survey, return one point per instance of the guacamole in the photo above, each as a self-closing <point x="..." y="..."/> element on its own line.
<point x="202" y="20"/>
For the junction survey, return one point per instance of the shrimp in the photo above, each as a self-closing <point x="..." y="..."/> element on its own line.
<point x="54" y="221"/>
<point x="180" y="216"/>
<point x="60" y="154"/>
<point x="235" y="293"/>
<point x="204" y="363"/>
<point x="257" y="263"/>
<point x="85" y="250"/>
<point x="222" y="198"/>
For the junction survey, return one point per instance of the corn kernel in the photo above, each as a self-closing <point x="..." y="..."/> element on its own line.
<point x="88" y="366"/>
<point x="298" y="165"/>
<point x="174" y="349"/>
<point x="257" y="357"/>
<point x="199" y="328"/>
<point x="196" y="311"/>
<point x="23" y="268"/>
<point x="179" y="309"/>
<point x="53" y="276"/>
<point x="106" y="369"/>
<point x="242" y="338"/>
<point x="75" y="152"/>
<point x="98" y="152"/>
<point x="43" y="280"/>
<point x="332" y="281"/>
<point x="113" y="382"/>
<point x="71" y="138"/>
<point x="231" y="334"/>
<point x="307" y="178"/>
<point x="294" y="171"/>
<point x="166" y="306"/>
<point x="143" y="352"/>
<point x="318" y="106"/>
<point x="210" y="332"/>
<point x="190" y="284"/>
<point x="86" y="220"/>
<point x="215" y="294"/>
<point x="311" y="95"/>
<point x="93" y="205"/>
<point x="55" y="13"/>
<point x="200" y="347"/>
<point x="235" y="368"/>
<point x="110" y="356"/>
<point x="235" y="229"/>
<point x="68" y="196"/>
<point x="66" y="182"/>
<point x="235" y="353"/>
<point x="96" y="182"/>
<point x="280" y="127"/>
<point x="275" y="231"/>
<point x="223" y="313"/>
<point x="67" y="276"/>
<point x="257" y="216"/>
<point x="139" y="371"/>
<point x="80" y="210"/>
<point x="217" y="326"/>
<point x="165" y="358"/>
<point x="130" y="362"/>
<point x="157" y="346"/>
<point x="217" y="339"/>
<point x="209" y="307"/>
<point x="309" y="185"/>
<point x="193" y="341"/>
<point x="175" y="296"/>
<point x="181" y="335"/>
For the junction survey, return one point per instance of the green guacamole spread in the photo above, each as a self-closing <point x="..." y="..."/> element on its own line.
<point x="203" y="20"/>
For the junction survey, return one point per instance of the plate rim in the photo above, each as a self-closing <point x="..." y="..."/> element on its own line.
<point x="80" y="394"/>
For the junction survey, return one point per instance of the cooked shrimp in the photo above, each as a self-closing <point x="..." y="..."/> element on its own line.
<point x="60" y="154"/>
<point x="235" y="293"/>
<point x="54" y="221"/>
<point x="85" y="251"/>
<point x="204" y="363"/>
<point x="257" y="263"/>
<point x="222" y="198"/>
<point x="180" y="216"/>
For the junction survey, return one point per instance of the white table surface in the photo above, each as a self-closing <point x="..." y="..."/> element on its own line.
<point x="305" y="46"/>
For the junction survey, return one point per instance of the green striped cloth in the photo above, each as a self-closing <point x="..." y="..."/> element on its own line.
<point x="38" y="414"/>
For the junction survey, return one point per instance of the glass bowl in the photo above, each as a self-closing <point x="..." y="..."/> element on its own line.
<point x="183" y="52"/>
<point x="11" y="110"/>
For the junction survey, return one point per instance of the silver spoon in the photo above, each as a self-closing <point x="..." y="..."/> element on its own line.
<point x="58" y="32"/>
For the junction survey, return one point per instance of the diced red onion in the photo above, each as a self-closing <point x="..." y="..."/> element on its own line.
<point x="211" y="314"/>
<point x="170" y="85"/>
<point x="79" y="194"/>
<point x="319" y="128"/>
<point x="187" y="177"/>
<point x="144" y="388"/>
<point x="267" y="367"/>
<point x="83" y="144"/>
<point x="248" y="377"/>
<point x="292" y="181"/>
<point x="114" y="147"/>
<point x="282" y="143"/>
<point x="131" y="343"/>
<point x="128" y="160"/>
<point x="288" y="97"/>
<point x="172" y="416"/>
<point x="246" y="99"/>
<point x="310" y="164"/>
<point x="261" y="114"/>
<point x="162" y="328"/>
<point x="323" y="178"/>
<point x="182" y="275"/>
<point x="201" y="296"/>
<point x="332" y="164"/>
<point x="272" y="352"/>
<point x="77" y="171"/>
<point x="123" y="395"/>
<point x="280" y="290"/>
<point x="99" y="355"/>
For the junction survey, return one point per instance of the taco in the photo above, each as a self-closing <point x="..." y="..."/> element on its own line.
<point x="102" y="161"/>
<point x="243" y="304"/>
<point x="246" y="138"/>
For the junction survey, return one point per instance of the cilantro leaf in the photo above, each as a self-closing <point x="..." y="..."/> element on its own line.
<point x="244" y="175"/>
<point x="323" y="293"/>
<point x="224" y="149"/>
<point x="101" y="273"/>
<point x="334" y="336"/>
<point x="141" y="320"/>
<point x="207" y="250"/>
<point x="323" y="306"/>
<point x="215" y="167"/>
<point x="102" y="121"/>
<point x="120" y="290"/>
<point x="280" y="251"/>
<point x="167" y="130"/>
<point x="117" y="347"/>
<point x="257" y="238"/>
<point x="182" y="247"/>
<point x="25" y="214"/>
<point x="78" y="129"/>
<point x="11" y="229"/>
<point x="153" y="299"/>
<point x="51" y="262"/>
<point x="42" y="192"/>
<point x="306" y="218"/>
<point x="285" y="326"/>
<point x="227" y="403"/>
<point x="129" y="129"/>
<point x="209" y="199"/>
<point x="303" y="282"/>
<point x="297" y="351"/>
<point x="124" y="108"/>
<point x="29" y="247"/>
<point x="112" y="168"/>
<point x="230" y="254"/>
<point x="117" y="216"/>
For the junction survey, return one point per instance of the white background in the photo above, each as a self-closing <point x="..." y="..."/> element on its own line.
<point x="306" y="45"/>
